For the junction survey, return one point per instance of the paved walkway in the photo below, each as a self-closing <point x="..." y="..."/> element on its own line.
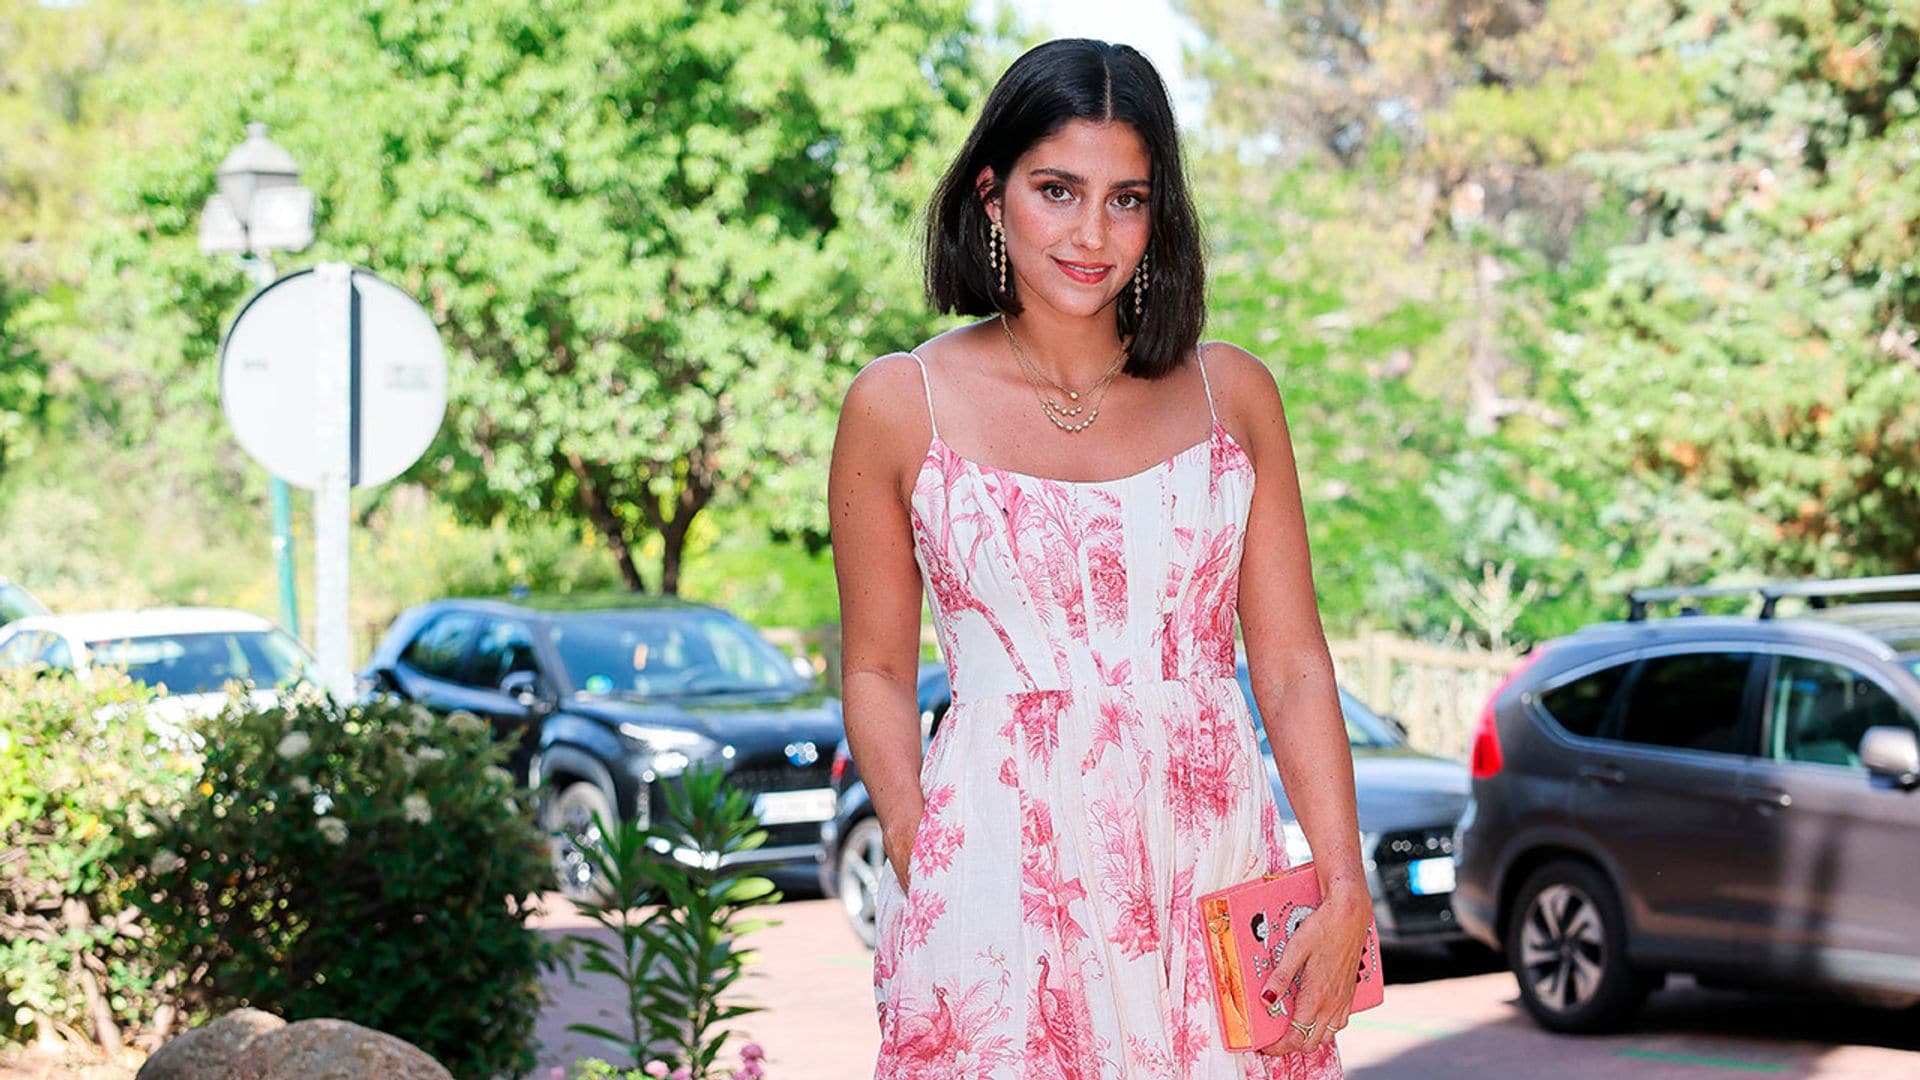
<point x="1443" y="1018"/>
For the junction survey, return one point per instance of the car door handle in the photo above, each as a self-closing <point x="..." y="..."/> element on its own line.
<point x="1766" y="797"/>
<point x="1603" y="774"/>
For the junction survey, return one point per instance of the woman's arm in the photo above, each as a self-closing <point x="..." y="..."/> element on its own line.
<point x="868" y="485"/>
<point x="1293" y="683"/>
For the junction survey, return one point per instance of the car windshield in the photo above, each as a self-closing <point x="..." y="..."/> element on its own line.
<point x="1364" y="726"/>
<point x="667" y="654"/>
<point x="203" y="663"/>
<point x="16" y="603"/>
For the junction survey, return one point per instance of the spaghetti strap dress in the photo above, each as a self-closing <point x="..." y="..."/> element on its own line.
<point x="1097" y="770"/>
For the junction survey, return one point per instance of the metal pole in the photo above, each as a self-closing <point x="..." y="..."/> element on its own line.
<point x="332" y="509"/>
<point x="260" y="268"/>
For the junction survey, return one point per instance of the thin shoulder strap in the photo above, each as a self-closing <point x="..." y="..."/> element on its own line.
<point x="928" y="387"/>
<point x="1201" y="360"/>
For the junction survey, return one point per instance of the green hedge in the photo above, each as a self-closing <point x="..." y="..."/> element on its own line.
<point x="372" y="863"/>
<point x="78" y="772"/>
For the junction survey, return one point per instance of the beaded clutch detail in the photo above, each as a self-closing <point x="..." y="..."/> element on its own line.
<point x="1247" y="928"/>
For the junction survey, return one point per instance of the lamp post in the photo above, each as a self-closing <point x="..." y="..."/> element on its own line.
<point x="261" y="208"/>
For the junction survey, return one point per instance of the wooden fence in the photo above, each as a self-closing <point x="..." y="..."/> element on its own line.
<point x="1436" y="692"/>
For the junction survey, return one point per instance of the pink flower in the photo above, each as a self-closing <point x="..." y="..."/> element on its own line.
<point x="655" y="1068"/>
<point x="752" y="1052"/>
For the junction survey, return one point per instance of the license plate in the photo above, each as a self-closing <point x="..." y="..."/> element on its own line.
<point x="1429" y="877"/>
<point x="785" y="807"/>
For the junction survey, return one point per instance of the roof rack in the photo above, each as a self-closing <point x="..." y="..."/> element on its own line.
<point x="1815" y="591"/>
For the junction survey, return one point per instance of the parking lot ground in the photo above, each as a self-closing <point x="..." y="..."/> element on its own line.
<point x="1444" y="1017"/>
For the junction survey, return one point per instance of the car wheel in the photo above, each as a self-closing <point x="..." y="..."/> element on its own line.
<point x="1566" y="944"/>
<point x="862" y="861"/>
<point x="568" y="816"/>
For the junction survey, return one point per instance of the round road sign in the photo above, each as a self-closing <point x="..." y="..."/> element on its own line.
<point x="270" y="376"/>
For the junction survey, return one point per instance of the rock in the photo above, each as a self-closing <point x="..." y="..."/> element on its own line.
<point x="333" y="1050"/>
<point x="209" y="1050"/>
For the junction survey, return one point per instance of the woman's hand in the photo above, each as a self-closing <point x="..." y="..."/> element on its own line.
<point x="898" y="844"/>
<point x="1324" y="956"/>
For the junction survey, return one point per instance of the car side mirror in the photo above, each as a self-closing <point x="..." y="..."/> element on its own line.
<point x="377" y="681"/>
<point x="524" y="687"/>
<point x="1894" y="753"/>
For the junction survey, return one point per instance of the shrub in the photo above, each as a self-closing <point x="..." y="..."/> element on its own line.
<point x="677" y="960"/>
<point x="76" y="767"/>
<point x="367" y="862"/>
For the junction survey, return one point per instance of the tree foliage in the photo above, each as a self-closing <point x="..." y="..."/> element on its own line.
<point x="657" y="237"/>
<point x="1755" y="355"/>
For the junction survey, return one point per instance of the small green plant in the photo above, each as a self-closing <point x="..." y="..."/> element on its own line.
<point x="367" y="862"/>
<point x="676" y="912"/>
<point x="79" y="770"/>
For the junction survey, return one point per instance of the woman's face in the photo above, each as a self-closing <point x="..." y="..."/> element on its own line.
<point x="1076" y="213"/>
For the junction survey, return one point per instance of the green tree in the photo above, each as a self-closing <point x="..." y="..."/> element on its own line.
<point x="657" y="237"/>
<point x="1751" y="365"/>
<point x="1403" y="225"/>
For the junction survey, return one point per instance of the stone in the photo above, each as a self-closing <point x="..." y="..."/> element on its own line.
<point x="209" y="1050"/>
<point x="333" y="1050"/>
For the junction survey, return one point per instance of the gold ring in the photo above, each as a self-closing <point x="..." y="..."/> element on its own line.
<point x="1304" y="1029"/>
<point x="1274" y="1009"/>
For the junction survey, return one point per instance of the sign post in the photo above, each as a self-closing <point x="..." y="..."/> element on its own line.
<point x="332" y="378"/>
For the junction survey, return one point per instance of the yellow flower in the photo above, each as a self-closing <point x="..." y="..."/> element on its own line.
<point x="206" y="788"/>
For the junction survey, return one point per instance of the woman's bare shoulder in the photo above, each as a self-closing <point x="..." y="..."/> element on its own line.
<point x="1245" y="392"/>
<point x="883" y="418"/>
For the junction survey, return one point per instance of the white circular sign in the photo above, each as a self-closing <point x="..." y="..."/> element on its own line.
<point x="269" y="376"/>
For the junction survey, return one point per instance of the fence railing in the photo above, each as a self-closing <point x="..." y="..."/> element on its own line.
<point x="1436" y="692"/>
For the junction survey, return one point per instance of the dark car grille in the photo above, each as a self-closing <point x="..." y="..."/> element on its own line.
<point x="1413" y="914"/>
<point x="756" y="778"/>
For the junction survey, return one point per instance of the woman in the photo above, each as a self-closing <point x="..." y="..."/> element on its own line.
<point x="1037" y="472"/>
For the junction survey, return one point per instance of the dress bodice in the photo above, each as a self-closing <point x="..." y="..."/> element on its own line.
<point x="1039" y="583"/>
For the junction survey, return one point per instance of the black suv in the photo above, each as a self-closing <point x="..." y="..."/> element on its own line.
<point x="1727" y="796"/>
<point x="603" y="695"/>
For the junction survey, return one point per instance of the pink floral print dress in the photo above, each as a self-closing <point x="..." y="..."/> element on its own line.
<point x="1097" y="770"/>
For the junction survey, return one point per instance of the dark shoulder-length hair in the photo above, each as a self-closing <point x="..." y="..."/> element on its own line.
<point x="1060" y="81"/>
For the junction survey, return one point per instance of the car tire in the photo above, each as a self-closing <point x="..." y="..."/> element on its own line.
<point x="1566" y="945"/>
<point x="857" y="876"/>
<point x="567" y="817"/>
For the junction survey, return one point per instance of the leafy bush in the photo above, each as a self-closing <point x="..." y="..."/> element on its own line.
<point x="76" y="766"/>
<point x="677" y="959"/>
<point x="367" y="862"/>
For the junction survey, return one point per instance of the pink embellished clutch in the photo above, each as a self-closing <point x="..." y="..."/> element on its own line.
<point x="1247" y="927"/>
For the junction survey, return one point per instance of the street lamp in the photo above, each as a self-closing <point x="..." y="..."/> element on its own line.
<point x="261" y="208"/>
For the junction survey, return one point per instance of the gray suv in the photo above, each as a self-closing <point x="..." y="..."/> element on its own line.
<point x="1727" y="796"/>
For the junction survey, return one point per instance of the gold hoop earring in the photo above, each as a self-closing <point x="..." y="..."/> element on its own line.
<point x="1140" y="277"/>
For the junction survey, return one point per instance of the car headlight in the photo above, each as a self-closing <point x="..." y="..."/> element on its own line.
<point x="673" y="748"/>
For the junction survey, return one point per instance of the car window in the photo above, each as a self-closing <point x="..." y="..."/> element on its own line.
<point x="505" y="647"/>
<point x="1365" y="728"/>
<point x="1580" y="706"/>
<point x="16" y="603"/>
<point x="1688" y="701"/>
<point x="19" y="650"/>
<point x="1820" y="710"/>
<point x="667" y="653"/>
<point x="442" y="646"/>
<point x="56" y="653"/>
<point x="203" y="663"/>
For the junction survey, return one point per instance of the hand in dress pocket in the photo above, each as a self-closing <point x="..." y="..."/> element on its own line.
<point x="900" y="851"/>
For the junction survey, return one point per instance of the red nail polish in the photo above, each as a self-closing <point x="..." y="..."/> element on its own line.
<point x="1269" y="995"/>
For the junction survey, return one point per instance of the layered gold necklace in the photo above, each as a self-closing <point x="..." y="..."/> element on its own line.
<point x="1063" y="415"/>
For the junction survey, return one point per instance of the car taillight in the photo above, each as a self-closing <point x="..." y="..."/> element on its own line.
<point x="1487" y="760"/>
<point x="840" y="759"/>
